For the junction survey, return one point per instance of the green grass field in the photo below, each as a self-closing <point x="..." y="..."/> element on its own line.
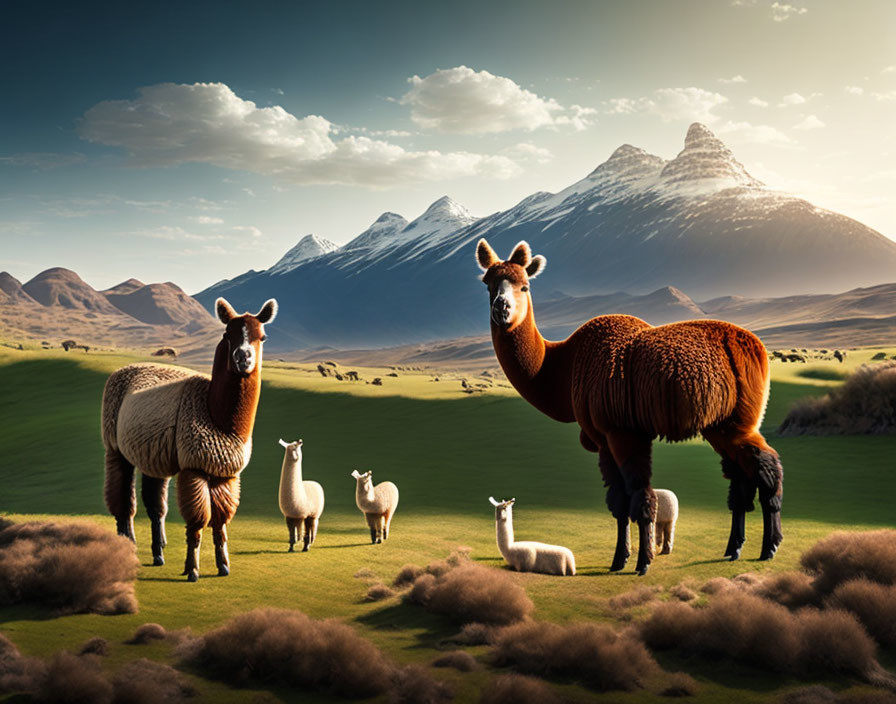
<point x="448" y="452"/>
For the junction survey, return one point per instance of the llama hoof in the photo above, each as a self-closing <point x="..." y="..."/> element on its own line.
<point x="158" y="561"/>
<point x="768" y="554"/>
<point x="379" y="540"/>
<point x="305" y="549"/>
<point x="223" y="571"/>
<point x="641" y="571"/>
<point x="193" y="576"/>
<point x="734" y="556"/>
<point x="618" y="563"/>
<point x="665" y="551"/>
<point x="291" y="549"/>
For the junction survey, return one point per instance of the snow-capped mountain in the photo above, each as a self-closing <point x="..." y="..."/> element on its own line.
<point x="637" y="223"/>
<point x="309" y="247"/>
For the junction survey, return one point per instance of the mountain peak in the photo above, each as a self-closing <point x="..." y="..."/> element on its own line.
<point x="446" y="207"/>
<point x="382" y="230"/>
<point x="309" y="247"/>
<point x="706" y="158"/>
<point x="629" y="162"/>
<point x="128" y="286"/>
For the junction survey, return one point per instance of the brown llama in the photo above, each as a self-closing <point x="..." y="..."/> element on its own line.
<point x="626" y="383"/>
<point x="166" y="420"/>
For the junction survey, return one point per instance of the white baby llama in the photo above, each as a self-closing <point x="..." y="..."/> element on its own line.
<point x="377" y="503"/>
<point x="666" y="516"/>
<point x="301" y="502"/>
<point x="527" y="555"/>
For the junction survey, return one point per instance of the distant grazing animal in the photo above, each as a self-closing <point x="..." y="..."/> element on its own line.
<point x="301" y="502"/>
<point x="351" y="376"/>
<point x="666" y="517"/>
<point x="626" y="383"/>
<point x="377" y="503"/>
<point x="165" y="420"/>
<point x="165" y="352"/>
<point x="527" y="555"/>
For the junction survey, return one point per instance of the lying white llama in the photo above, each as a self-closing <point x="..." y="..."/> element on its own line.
<point x="666" y="516"/>
<point x="301" y="502"/>
<point x="527" y="555"/>
<point x="377" y="503"/>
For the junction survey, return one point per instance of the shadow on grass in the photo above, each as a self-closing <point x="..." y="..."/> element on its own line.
<point x="431" y="631"/>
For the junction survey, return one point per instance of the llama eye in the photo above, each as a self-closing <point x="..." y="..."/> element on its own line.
<point x="524" y="289"/>
<point x="264" y="337"/>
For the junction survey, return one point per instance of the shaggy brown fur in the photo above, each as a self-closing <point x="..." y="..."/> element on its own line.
<point x="635" y="597"/>
<point x="165" y="420"/>
<point x="470" y="593"/>
<point x="625" y="383"/>
<point x="750" y="629"/>
<point x="864" y="405"/>
<point x="378" y="592"/>
<point x="147" y="633"/>
<point x="407" y="575"/>
<point x="844" y="556"/>
<point x="288" y="647"/>
<point x="518" y="689"/>
<point x="95" y="646"/>
<point x="593" y="654"/>
<point x="458" y="659"/>
<point x="71" y="567"/>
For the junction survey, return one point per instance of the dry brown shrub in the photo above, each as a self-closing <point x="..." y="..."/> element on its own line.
<point x="790" y="589"/>
<point x="365" y="573"/>
<point x="476" y="634"/>
<point x="146" y="682"/>
<point x="146" y="633"/>
<point x="518" y="689"/>
<point x="71" y="567"/>
<point x="717" y="585"/>
<point x="844" y="556"/>
<point x="873" y="604"/>
<point x="683" y="592"/>
<point x="70" y="679"/>
<point x="458" y="659"/>
<point x="18" y="673"/>
<point x="680" y="684"/>
<point x="378" y="592"/>
<point x="288" y="647"/>
<point x="813" y="694"/>
<point x="412" y="685"/>
<point x="406" y="575"/>
<point x="748" y="628"/>
<point x="95" y="646"/>
<point x="591" y="653"/>
<point x="864" y="404"/>
<point x="636" y="597"/>
<point x="470" y="592"/>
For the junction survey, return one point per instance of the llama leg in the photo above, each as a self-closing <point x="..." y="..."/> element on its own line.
<point x="762" y="469"/>
<point x="120" y="492"/>
<point x="372" y="520"/>
<point x="293" y="533"/>
<point x="155" y="498"/>
<point x="225" y="498"/>
<point x="618" y="503"/>
<point x="632" y="454"/>
<point x="669" y="538"/>
<point x="309" y="533"/>
<point x="741" y="492"/>
<point x="315" y="522"/>
<point x="387" y="521"/>
<point x="194" y="502"/>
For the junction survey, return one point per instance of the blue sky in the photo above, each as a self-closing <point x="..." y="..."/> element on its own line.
<point x="192" y="143"/>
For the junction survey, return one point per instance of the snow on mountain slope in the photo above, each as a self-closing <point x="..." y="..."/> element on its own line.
<point x="309" y="247"/>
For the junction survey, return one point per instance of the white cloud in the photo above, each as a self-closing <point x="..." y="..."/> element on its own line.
<point x="526" y="151"/>
<point x="251" y="229"/>
<point x="758" y="102"/>
<point x="42" y="160"/>
<point x="669" y="104"/>
<point x="854" y="90"/>
<point x="782" y="13"/>
<point x="463" y="101"/>
<point x="811" y="122"/>
<point x="887" y="97"/>
<point x="734" y="79"/>
<point x="169" y="124"/>
<point x="754" y="134"/>
<point x="208" y="220"/>
<point x="791" y="99"/>
<point x="889" y="69"/>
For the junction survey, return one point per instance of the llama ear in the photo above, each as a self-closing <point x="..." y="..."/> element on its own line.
<point x="355" y="474"/>
<point x="268" y="312"/>
<point x="492" y="499"/>
<point x="536" y="266"/>
<point x="225" y="311"/>
<point x="485" y="255"/>
<point x="283" y="443"/>
<point x="521" y="254"/>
